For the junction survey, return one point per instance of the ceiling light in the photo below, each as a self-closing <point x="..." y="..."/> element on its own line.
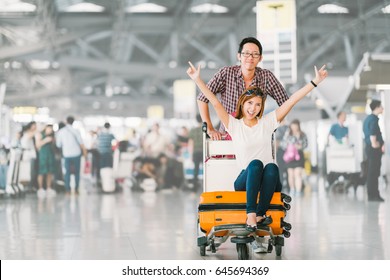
<point x="15" y="6"/>
<point x="332" y="9"/>
<point x="88" y="90"/>
<point x="39" y="64"/>
<point x="146" y="8"/>
<point x="172" y="64"/>
<point x="85" y="8"/>
<point x="125" y="90"/>
<point x="209" y="8"/>
<point x="386" y="10"/>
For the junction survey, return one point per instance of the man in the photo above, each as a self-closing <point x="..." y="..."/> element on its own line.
<point x="231" y="81"/>
<point x="338" y="131"/>
<point x="69" y="140"/>
<point x="374" y="150"/>
<point x="104" y="146"/>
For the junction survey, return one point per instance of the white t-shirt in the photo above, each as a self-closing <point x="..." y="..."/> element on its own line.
<point x="155" y="143"/>
<point x="253" y="142"/>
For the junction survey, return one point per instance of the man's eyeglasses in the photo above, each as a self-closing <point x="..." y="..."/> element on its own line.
<point x="255" y="91"/>
<point x="248" y="54"/>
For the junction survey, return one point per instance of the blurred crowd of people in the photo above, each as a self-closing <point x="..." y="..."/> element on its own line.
<point x="50" y="157"/>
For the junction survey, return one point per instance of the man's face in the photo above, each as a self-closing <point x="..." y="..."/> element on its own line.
<point x="342" y="117"/>
<point x="249" y="56"/>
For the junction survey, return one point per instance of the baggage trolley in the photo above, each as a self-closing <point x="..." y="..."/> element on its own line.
<point x="222" y="211"/>
<point x="13" y="186"/>
<point x="342" y="168"/>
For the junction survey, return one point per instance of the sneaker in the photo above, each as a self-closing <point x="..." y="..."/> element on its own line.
<point x="51" y="193"/>
<point x="258" y="247"/>
<point x="41" y="193"/>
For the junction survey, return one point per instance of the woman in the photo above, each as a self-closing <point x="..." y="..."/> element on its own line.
<point x="47" y="165"/>
<point x="252" y="133"/>
<point x="297" y="139"/>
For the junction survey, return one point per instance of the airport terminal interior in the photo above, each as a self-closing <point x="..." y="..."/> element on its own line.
<point x="111" y="77"/>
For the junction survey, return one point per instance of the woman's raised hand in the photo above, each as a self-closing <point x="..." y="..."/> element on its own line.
<point x="320" y="74"/>
<point x="193" y="72"/>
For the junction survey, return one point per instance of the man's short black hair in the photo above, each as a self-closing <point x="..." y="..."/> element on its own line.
<point x="70" y="120"/>
<point x="252" y="40"/>
<point x="107" y="125"/>
<point x="375" y="104"/>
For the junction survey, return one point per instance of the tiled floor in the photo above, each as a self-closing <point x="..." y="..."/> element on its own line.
<point x="149" y="225"/>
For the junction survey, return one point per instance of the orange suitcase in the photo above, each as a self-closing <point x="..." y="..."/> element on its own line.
<point x="229" y="207"/>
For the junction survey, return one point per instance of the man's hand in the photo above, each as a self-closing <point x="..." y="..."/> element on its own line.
<point x="214" y="134"/>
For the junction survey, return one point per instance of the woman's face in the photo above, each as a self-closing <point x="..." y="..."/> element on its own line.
<point x="48" y="130"/>
<point x="294" y="128"/>
<point x="252" y="107"/>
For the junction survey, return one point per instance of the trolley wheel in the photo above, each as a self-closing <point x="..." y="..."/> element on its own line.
<point x="286" y="233"/>
<point x="278" y="250"/>
<point x="287" y="206"/>
<point x="202" y="249"/>
<point x="243" y="253"/>
<point x="287" y="226"/>
<point x="213" y="248"/>
<point x="286" y="198"/>
<point x="270" y="248"/>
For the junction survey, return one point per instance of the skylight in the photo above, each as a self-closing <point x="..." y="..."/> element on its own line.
<point x="209" y="8"/>
<point x="85" y="8"/>
<point x="332" y="9"/>
<point x="386" y="10"/>
<point x="146" y="8"/>
<point x="16" y="6"/>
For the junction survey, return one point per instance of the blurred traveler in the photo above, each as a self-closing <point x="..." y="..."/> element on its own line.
<point x="69" y="140"/>
<point x="195" y="145"/>
<point x="374" y="149"/>
<point x="27" y="143"/>
<point x="339" y="132"/>
<point x="47" y="165"/>
<point x="294" y="142"/>
<point x="155" y="142"/>
<point x="104" y="146"/>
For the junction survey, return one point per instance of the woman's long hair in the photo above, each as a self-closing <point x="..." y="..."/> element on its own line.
<point x="245" y="97"/>
<point x="298" y="123"/>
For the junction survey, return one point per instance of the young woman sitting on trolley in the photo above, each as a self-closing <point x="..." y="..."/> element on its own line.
<point x="251" y="133"/>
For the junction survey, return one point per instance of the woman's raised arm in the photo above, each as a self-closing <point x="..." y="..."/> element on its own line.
<point x="194" y="74"/>
<point x="285" y="108"/>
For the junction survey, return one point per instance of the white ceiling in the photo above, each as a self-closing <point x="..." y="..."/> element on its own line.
<point x="72" y="61"/>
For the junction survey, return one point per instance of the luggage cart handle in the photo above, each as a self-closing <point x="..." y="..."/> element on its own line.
<point x="204" y="129"/>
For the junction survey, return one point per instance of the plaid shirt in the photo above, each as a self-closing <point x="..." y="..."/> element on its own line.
<point x="229" y="83"/>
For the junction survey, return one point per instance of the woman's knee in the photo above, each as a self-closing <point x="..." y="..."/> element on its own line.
<point x="271" y="169"/>
<point x="256" y="164"/>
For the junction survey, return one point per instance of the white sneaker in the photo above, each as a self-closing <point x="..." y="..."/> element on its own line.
<point x="51" y="193"/>
<point x="41" y="193"/>
<point x="259" y="247"/>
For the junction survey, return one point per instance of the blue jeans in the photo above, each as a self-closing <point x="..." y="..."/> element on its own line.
<point x="3" y="175"/>
<point x="257" y="179"/>
<point x="73" y="162"/>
